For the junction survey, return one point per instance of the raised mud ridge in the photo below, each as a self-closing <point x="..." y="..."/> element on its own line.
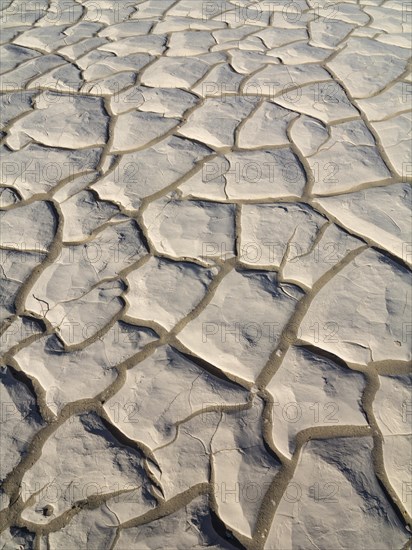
<point x="205" y="277"/>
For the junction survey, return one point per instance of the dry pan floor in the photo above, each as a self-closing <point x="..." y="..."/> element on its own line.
<point x="205" y="286"/>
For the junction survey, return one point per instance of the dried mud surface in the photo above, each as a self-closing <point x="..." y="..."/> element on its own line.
<point x="205" y="277"/>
